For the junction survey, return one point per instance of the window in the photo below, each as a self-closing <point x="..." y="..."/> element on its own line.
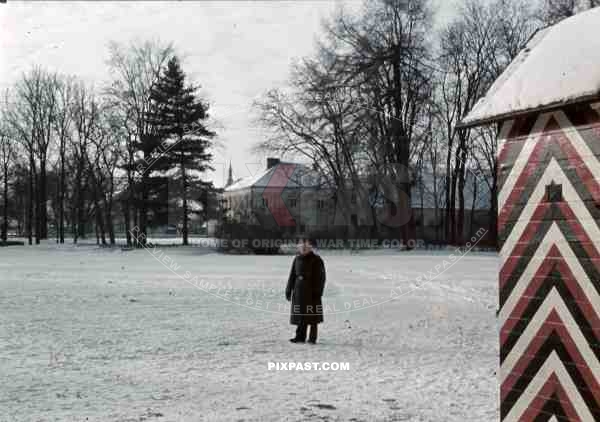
<point x="265" y="202"/>
<point x="353" y="198"/>
<point x="320" y="204"/>
<point x="553" y="192"/>
<point x="293" y="202"/>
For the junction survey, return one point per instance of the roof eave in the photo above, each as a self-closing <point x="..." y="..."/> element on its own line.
<point x="519" y="113"/>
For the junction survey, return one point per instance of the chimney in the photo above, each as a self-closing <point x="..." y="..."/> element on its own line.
<point x="272" y="162"/>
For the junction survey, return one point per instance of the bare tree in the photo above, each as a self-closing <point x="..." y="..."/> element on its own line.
<point x="86" y="115"/>
<point x="356" y="108"/>
<point x="31" y="117"/>
<point x="136" y="69"/>
<point x="434" y="150"/>
<point x="383" y="56"/>
<point x="474" y="49"/>
<point x="318" y="128"/>
<point x="109" y="150"/>
<point x="554" y="11"/>
<point x="466" y="53"/>
<point x="63" y="123"/>
<point x="7" y="157"/>
<point x="104" y="154"/>
<point x="516" y="22"/>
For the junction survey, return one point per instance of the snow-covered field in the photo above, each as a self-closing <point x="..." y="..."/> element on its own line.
<point x="91" y="334"/>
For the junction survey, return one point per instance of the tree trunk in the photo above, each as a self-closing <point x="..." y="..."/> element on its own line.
<point x="452" y="206"/>
<point x="128" y="204"/>
<point x="100" y="223"/>
<point x="185" y="205"/>
<point x="30" y="201"/>
<point x="448" y="211"/>
<point x="61" y="205"/>
<point x="109" y="224"/>
<point x="43" y="199"/>
<point x="5" y="222"/>
<point x="143" y="217"/>
<point x="79" y="207"/>
<point x="96" y="229"/>
<point x="436" y="205"/>
<point x="126" y="217"/>
<point x="472" y="222"/>
<point x="460" y="220"/>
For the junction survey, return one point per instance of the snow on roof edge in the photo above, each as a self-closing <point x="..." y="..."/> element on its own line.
<point x="592" y="98"/>
<point x="535" y="38"/>
<point x="253" y="181"/>
<point x="538" y="79"/>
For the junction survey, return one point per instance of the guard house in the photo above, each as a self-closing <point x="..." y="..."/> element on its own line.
<point x="546" y="106"/>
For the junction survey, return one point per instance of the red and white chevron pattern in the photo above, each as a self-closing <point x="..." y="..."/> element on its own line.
<point x="550" y="266"/>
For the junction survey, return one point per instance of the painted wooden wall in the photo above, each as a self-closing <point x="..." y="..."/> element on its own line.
<point x="549" y="230"/>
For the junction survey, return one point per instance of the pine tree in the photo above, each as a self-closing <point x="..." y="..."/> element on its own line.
<point x="179" y="117"/>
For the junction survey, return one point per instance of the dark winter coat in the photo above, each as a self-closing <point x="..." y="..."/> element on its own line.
<point x="305" y="288"/>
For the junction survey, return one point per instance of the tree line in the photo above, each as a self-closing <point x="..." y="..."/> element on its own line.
<point x="76" y="158"/>
<point x="382" y="96"/>
<point x="385" y="91"/>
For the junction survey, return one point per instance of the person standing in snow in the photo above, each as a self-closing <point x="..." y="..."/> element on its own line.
<point x="305" y="289"/>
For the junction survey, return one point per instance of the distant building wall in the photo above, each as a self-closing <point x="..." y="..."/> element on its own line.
<point x="316" y="211"/>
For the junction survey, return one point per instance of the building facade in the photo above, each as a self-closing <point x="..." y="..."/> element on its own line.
<point x="293" y="199"/>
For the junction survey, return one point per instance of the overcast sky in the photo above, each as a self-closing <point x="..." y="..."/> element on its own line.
<point x="235" y="50"/>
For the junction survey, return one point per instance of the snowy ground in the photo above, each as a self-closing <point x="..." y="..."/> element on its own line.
<point x="90" y="334"/>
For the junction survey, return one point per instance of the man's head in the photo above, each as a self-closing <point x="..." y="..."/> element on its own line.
<point x="305" y="245"/>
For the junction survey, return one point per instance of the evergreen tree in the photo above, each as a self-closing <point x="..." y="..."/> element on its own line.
<point x="178" y="117"/>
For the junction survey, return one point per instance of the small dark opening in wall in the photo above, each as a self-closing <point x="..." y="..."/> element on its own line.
<point x="554" y="192"/>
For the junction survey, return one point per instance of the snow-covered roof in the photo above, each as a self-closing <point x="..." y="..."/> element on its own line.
<point x="246" y="182"/>
<point x="193" y="205"/>
<point x="291" y="175"/>
<point x="560" y="65"/>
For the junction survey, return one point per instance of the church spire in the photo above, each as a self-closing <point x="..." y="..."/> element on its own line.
<point x="230" y="178"/>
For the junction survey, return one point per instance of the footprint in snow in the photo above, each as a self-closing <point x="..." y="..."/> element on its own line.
<point x="402" y="418"/>
<point x="324" y="406"/>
